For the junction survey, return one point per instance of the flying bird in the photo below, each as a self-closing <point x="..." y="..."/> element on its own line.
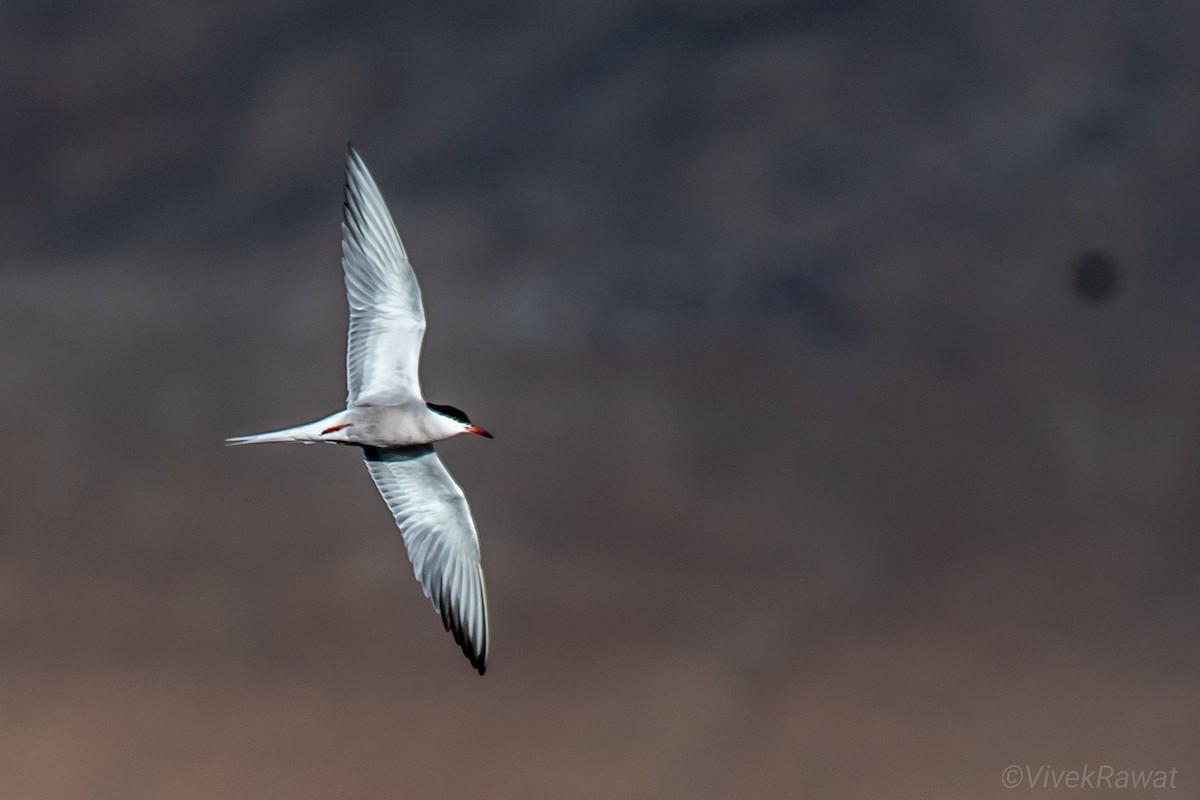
<point x="387" y="416"/>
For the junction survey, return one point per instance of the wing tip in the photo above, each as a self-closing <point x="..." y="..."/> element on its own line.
<point x="476" y="652"/>
<point x="354" y="165"/>
<point x="478" y="660"/>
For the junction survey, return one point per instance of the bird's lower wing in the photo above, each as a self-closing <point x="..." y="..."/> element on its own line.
<point x="440" y="537"/>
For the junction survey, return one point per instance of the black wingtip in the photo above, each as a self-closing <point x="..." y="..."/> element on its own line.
<point x="454" y="625"/>
<point x="479" y="662"/>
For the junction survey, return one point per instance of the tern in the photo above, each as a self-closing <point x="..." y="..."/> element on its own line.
<point x="387" y="416"/>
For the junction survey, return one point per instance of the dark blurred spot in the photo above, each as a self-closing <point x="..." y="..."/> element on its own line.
<point x="810" y="300"/>
<point x="1096" y="278"/>
<point x="1099" y="132"/>
<point x="51" y="18"/>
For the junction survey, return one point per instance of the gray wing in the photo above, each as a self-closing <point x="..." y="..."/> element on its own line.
<point x="439" y="534"/>
<point x="387" y="320"/>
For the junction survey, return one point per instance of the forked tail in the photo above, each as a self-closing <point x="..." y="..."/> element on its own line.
<point x="288" y="435"/>
<point x="312" y="433"/>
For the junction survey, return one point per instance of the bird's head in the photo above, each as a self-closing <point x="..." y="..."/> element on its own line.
<point x="453" y="413"/>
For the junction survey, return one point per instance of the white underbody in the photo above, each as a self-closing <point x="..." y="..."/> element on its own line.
<point x="374" y="426"/>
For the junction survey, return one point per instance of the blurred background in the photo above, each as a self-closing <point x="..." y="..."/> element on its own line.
<point x="843" y="358"/>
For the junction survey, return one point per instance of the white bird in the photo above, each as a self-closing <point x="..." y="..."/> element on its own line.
<point x="387" y="416"/>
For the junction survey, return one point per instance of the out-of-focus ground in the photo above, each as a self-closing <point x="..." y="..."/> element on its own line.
<point x="814" y="474"/>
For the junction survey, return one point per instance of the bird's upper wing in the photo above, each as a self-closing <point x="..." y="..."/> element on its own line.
<point x="439" y="534"/>
<point x="386" y="317"/>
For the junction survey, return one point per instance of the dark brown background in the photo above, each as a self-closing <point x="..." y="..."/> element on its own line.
<point x="815" y="476"/>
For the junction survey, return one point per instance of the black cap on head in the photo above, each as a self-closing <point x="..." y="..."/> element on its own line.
<point x="449" y="411"/>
